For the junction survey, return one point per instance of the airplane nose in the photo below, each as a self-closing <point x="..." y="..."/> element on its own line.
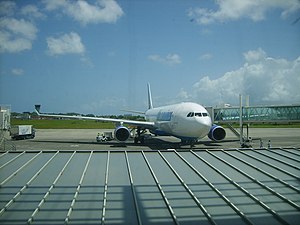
<point x="204" y="125"/>
<point x="207" y="123"/>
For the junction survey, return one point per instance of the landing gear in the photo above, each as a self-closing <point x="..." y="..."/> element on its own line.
<point x="139" y="139"/>
<point x="192" y="143"/>
<point x="139" y="136"/>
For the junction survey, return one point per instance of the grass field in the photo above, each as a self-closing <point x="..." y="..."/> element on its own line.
<point x="63" y="124"/>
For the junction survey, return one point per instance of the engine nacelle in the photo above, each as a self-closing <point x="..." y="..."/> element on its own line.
<point x="122" y="133"/>
<point x="216" y="133"/>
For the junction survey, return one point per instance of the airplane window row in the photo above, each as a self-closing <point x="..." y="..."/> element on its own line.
<point x="198" y="114"/>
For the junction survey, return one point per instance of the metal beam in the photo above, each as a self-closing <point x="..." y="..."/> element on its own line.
<point x="18" y="170"/>
<point x="269" y="164"/>
<point x="233" y="206"/>
<point x="266" y="207"/>
<point x="30" y="220"/>
<point x="161" y="190"/>
<point x="257" y="182"/>
<point x="133" y="190"/>
<point x="105" y="189"/>
<point x="78" y="189"/>
<point x="26" y="185"/>
<point x="202" y="208"/>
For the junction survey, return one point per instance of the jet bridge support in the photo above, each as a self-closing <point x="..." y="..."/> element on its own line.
<point x="244" y="138"/>
<point x="239" y="117"/>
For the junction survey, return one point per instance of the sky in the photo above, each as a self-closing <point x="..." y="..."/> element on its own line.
<point x="96" y="57"/>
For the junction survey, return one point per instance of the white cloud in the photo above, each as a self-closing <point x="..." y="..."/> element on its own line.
<point x="65" y="44"/>
<point x="170" y="59"/>
<point x="7" y="8"/>
<point x="206" y="56"/>
<point x="32" y="11"/>
<point x="16" y="35"/>
<point x="236" y="9"/>
<point x="255" y="56"/>
<point x="267" y="80"/>
<point x="87" y="61"/>
<point x="17" y="71"/>
<point x="54" y="4"/>
<point x="103" y="11"/>
<point x="183" y="95"/>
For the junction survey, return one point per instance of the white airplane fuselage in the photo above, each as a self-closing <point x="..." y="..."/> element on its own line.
<point x="187" y="121"/>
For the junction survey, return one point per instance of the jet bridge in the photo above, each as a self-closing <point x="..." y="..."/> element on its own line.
<point x="258" y="114"/>
<point x="245" y="115"/>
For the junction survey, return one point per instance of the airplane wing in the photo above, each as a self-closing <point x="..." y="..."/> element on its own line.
<point x="144" y="124"/>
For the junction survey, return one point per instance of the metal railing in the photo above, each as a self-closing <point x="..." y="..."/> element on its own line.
<point x="6" y="144"/>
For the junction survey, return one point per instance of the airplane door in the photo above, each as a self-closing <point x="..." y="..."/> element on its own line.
<point x="174" y="122"/>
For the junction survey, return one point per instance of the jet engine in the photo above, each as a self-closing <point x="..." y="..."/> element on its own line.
<point x="122" y="133"/>
<point x="216" y="133"/>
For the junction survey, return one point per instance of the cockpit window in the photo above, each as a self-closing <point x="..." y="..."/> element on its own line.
<point x="191" y="114"/>
<point x="198" y="114"/>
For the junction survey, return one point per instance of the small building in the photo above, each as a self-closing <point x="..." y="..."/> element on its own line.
<point x="5" y="117"/>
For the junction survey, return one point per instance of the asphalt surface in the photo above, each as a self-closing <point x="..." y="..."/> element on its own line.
<point x="85" y="139"/>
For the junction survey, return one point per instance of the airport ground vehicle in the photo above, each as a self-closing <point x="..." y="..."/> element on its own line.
<point x="106" y="136"/>
<point x="19" y="132"/>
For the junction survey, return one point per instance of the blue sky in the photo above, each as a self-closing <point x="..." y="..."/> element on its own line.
<point x="98" y="56"/>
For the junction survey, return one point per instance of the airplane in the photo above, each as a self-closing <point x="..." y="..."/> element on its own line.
<point x="187" y="121"/>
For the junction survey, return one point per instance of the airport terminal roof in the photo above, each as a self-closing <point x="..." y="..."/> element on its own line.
<point x="237" y="186"/>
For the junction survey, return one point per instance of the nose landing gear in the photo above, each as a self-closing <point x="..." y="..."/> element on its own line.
<point x="140" y="136"/>
<point x="192" y="143"/>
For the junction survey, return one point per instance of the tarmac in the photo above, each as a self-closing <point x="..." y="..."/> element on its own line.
<point x="85" y="139"/>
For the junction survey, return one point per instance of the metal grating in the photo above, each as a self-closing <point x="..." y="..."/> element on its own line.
<point x="150" y="187"/>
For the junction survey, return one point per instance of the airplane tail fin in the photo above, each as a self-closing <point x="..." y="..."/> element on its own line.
<point x="37" y="109"/>
<point x="150" y="105"/>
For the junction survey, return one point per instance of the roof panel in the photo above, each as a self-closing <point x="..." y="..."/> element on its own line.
<point x="150" y="187"/>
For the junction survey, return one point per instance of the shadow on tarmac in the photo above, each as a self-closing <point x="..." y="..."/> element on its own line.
<point x="152" y="143"/>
